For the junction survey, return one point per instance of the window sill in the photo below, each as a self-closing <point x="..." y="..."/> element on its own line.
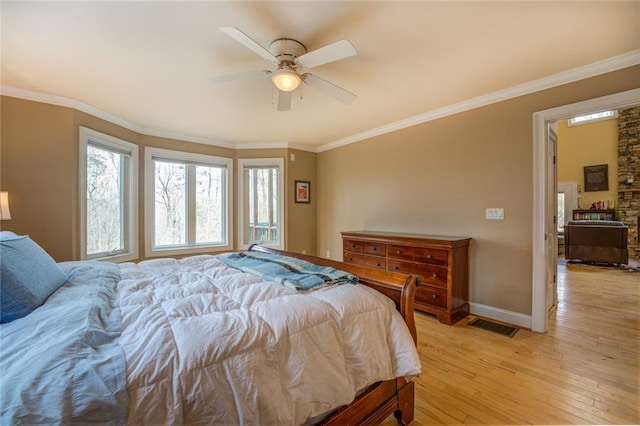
<point x="187" y="251"/>
<point x="119" y="258"/>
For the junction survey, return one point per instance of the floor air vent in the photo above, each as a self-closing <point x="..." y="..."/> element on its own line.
<point x="505" y="330"/>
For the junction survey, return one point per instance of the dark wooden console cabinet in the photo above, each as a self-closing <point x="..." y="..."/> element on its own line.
<point x="441" y="262"/>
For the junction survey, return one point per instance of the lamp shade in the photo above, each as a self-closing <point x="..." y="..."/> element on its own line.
<point x="286" y="79"/>
<point x="4" y="206"/>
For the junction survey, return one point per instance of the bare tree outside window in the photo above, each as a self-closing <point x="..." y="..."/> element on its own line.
<point x="104" y="201"/>
<point x="209" y="204"/>
<point x="170" y="211"/>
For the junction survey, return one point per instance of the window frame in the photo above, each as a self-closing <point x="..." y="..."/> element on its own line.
<point x="261" y="162"/>
<point x="130" y="208"/>
<point x="149" y="201"/>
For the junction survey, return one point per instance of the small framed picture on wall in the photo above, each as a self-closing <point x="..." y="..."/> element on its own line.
<point x="303" y="191"/>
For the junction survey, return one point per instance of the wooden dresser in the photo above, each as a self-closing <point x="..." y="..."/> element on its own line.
<point x="441" y="262"/>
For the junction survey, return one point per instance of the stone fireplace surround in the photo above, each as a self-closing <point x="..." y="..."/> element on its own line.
<point x="629" y="174"/>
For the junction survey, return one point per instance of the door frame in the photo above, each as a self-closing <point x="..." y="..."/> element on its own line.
<point x="541" y="167"/>
<point x="551" y="217"/>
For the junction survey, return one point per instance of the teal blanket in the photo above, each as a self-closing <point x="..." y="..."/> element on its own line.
<point x="290" y="272"/>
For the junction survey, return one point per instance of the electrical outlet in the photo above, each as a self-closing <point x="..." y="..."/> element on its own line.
<point x="495" y="214"/>
<point x="304" y="252"/>
<point x="328" y="254"/>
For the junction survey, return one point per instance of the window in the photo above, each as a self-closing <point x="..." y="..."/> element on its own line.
<point x="561" y="212"/>
<point x="261" y="202"/>
<point x="187" y="202"/>
<point x="108" y="197"/>
<point x="567" y="202"/>
<point x="588" y="118"/>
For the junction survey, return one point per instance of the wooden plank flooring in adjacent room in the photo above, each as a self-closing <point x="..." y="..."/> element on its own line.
<point x="584" y="370"/>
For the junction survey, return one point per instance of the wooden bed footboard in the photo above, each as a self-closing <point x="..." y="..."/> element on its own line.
<point x="381" y="399"/>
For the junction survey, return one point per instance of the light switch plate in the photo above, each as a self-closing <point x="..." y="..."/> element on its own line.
<point x="495" y="213"/>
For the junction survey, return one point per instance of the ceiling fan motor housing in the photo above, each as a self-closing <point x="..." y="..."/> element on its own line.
<point x="286" y="49"/>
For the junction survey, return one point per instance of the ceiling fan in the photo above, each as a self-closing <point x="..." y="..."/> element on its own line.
<point x="290" y="56"/>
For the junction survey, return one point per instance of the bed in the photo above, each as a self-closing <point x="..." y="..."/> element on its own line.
<point x="203" y="340"/>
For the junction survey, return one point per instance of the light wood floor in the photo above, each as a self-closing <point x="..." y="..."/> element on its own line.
<point x="584" y="370"/>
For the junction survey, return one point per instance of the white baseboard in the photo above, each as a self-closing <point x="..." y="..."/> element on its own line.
<point x="502" y="315"/>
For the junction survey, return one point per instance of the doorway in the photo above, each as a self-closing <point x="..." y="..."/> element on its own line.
<point x="542" y="167"/>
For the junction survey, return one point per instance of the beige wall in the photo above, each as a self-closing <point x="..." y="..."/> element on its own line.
<point x="37" y="150"/>
<point x="39" y="166"/>
<point x="588" y="144"/>
<point x="437" y="178"/>
<point x="301" y="217"/>
<point x="440" y="176"/>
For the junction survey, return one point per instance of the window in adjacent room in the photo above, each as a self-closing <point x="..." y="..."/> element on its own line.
<point x="561" y="212"/>
<point x="567" y="202"/>
<point x="187" y="202"/>
<point x="108" y="197"/>
<point x="261" y="183"/>
<point x="590" y="118"/>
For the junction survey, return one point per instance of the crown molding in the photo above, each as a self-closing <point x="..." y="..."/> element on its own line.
<point x="62" y="101"/>
<point x="272" y="145"/>
<point x="30" y="95"/>
<point x="597" y="68"/>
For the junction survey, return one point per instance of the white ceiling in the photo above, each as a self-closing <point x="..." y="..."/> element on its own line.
<point x="149" y="63"/>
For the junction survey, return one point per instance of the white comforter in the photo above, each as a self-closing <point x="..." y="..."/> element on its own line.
<point x="229" y="349"/>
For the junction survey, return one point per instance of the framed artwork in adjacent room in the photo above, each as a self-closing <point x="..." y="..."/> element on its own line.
<point x="596" y="178"/>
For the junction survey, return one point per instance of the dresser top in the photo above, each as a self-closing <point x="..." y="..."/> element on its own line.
<point x="406" y="237"/>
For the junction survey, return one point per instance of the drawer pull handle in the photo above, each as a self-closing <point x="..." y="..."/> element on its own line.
<point x="428" y="256"/>
<point x="434" y="275"/>
<point x="351" y="259"/>
<point x="396" y="268"/>
<point x="435" y="296"/>
<point x="353" y="246"/>
<point x="378" y="265"/>
<point x="399" y="252"/>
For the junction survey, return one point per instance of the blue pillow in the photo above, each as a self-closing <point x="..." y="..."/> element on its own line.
<point x="28" y="276"/>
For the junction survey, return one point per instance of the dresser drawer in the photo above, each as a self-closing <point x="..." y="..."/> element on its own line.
<point x="353" y="246"/>
<point x="434" y="296"/>
<point x="431" y="256"/>
<point x="401" y="252"/>
<point x="364" y="260"/>
<point x="376" y="249"/>
<point x="430" y="274"/>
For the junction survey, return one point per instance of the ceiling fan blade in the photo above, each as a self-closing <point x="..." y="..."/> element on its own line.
<point x="248" y="42"/>
<point x="329" y="88"/>
<point x="238" y="76"/>
<point x="329" y="53"/>
<point x="284" y="100"/>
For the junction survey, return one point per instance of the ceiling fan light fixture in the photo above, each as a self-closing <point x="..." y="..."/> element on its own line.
<point x="286" y="79"/>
